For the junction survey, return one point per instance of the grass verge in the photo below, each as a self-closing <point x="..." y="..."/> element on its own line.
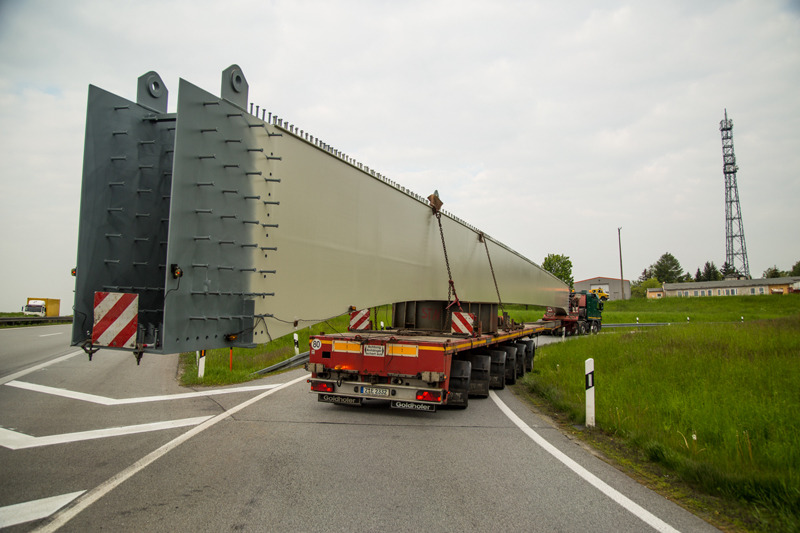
<point x="713" y="405"/>
<point x="245" y="361"/>
<point x="703" y="309"/>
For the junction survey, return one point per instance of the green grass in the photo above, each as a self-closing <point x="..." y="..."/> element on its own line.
<point x="716" y="404"/>
<point x="246" y="361"/>
<point x="675" y="310"/>
<point x="702" y="309"/>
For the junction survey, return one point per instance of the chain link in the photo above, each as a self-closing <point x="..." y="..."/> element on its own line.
<point x="451" y="290"/>
<point x="491" y="267"/>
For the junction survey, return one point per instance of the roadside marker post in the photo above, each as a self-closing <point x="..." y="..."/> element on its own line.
<point x="589" y="380"/>
<point x="201" y="364"/>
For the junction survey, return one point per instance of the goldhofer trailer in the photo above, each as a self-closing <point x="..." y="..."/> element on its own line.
<point x="416" y="364"/>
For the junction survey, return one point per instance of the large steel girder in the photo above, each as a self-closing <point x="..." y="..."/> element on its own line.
<point x="271" y="228"/>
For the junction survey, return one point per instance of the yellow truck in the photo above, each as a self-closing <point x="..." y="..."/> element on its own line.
<point x="42" y="307"/>
<point x="603" y="295"/>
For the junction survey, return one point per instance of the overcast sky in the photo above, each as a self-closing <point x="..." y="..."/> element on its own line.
<point x="547" y="125"/>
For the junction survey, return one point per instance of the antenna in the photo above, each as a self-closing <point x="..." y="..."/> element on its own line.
<point x="735" y="248"/>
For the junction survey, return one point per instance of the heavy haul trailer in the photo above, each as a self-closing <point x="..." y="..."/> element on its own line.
<point x="583" y="315"/>
<point x="417" y="364"/>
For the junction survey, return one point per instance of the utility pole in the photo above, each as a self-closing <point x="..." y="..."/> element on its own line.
<point x="621" y="279"/>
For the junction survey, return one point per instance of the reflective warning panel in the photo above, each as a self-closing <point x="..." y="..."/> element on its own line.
<point x="232" y="229"/>
<point x="116" y="319"/>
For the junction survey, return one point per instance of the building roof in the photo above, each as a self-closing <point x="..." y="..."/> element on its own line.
<point x="730" y="283"/>
<point x="655" y="289"/>
<point x="600" y="278"/>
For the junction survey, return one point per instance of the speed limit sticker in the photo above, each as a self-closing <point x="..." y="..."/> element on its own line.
<point x="316" y="344"/>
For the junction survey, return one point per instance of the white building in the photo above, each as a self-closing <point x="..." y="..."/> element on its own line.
<point x="731" y="287"/>
<point x="610" y="285"/>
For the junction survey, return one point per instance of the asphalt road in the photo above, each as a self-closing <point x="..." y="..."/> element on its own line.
<point x="22" y="348"/>
<point x="274" y="459"/>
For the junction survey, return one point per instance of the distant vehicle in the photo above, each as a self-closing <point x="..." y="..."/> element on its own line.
<point x="585" y="314"/>
<point x="603" y="295"/>
<point x="42" y="307"/>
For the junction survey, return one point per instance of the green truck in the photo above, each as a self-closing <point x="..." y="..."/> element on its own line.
<point x="584" y="314"/>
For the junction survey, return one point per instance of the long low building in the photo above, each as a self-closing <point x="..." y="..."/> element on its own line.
<point x="730" y="287"/>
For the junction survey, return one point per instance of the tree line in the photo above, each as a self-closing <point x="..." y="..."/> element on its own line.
<point x="666" y="270"/>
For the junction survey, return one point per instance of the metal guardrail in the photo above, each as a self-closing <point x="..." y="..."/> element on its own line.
<point x="640" y="324"/>
<point x="23" y="320"/>
<point x="288" y="363"/>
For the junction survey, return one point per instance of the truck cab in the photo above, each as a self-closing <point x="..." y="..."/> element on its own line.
<point x="35" y="308"/>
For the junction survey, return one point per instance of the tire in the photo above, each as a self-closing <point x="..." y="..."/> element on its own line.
<point x="498" y="373"/>
<point x="459" y="382"/>
<point x="594" y="327"/>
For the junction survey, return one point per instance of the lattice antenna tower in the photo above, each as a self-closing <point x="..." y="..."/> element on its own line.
<point x="735" y="248"/>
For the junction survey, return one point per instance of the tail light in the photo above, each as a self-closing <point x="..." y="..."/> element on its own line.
<point x="321" y="386"/>
<point x="429" y="396"/>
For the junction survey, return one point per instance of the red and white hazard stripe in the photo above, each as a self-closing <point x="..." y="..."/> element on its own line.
<point x="359" y="320"/>
<point x="462" y="323"/>
<point x="116" y="319"/>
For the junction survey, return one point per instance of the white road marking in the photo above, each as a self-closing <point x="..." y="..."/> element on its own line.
<point x="640" y="512"/>
<point x="14" y="440"/>
<point x="51" y="334"/>
<point x="27" y="371"/>
<point x="84" y="501"/>
<point x="19" y="513"/>
<point x="62" y="517"/>
<point x="103" y="400"/>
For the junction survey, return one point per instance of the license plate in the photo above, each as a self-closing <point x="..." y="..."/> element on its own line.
<point x="374" y="391"/>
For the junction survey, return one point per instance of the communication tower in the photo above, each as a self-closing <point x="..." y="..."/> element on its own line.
<point x="735" y="248"/>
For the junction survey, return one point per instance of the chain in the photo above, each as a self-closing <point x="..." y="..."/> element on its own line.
<point x="451" y="290"/>
<point x="491" y="267"/>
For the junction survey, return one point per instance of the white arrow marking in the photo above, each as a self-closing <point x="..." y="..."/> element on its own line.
<point x="103" y="400"/>
<point x="19" y="513"/>
<point x="16" y="441"/>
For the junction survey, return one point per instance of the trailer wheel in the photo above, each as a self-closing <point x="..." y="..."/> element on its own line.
<point x="480" y="375"/>
<point x="511" y="363"/>
<point x="459" y="384"/>
<point x="497" y="377"/>
<point x="582" y="328"/>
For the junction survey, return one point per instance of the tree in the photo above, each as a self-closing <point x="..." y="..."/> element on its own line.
<point x="646" y="274"/>
<point x="639" y="288"/>
<point x="709" y="273"/>
<point x="774" y="272"/>
<point x="795" y="269"/>
<point x="560" y="266"/>
<point x="668" y="269"/>
<point x="727" y="269"/>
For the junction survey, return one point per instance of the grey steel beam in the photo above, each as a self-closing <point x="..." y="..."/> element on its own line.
<point x="271" y="228"/>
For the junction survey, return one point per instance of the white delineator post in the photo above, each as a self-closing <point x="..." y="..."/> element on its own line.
<point x="589" y="368"/>
<point x="201" y="363"/>
<point x="296" y="344"/>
